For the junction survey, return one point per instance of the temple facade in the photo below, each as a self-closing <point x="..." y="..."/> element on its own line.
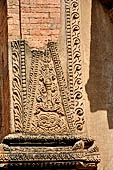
<point x="56" y="84"/>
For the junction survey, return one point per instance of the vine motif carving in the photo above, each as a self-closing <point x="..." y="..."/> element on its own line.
<point x="31" y="90"/>
<point x="45" y="104"/>
<point x="18" y="80"/>
<point x="48" y="115"/>
<point x="74" y="62"/>
<point x="62" y="85"/>
<point x="51" y="112"/>
<point x="48" y="99"/>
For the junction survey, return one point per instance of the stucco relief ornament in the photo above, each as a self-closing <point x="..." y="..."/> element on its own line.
<point x="48" y="113"/>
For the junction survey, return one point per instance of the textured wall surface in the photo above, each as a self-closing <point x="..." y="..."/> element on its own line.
<point x="40" y="21"/>
<point x="4" y="81"/>
<point x="97" y="51"/>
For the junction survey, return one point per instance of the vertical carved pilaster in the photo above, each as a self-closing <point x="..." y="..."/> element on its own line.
<point x="17" y="83"/>
<point x="74" y="63"/>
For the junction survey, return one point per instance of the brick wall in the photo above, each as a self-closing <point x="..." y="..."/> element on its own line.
<point x="40" y="21"/>
<point x="4" y="81"/>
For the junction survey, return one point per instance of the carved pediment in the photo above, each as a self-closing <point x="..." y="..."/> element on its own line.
<point x="40" y="97"/>
<point x="45" y="108"/>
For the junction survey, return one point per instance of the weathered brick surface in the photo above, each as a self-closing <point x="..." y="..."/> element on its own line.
<point x="4" y="81"/>
<point x="13" y="19"/>
<point x="40" y="21"/>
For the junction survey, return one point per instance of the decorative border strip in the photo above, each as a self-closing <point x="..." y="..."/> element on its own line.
<point x="65" y="164"/>
<point x="31" y="90"/>
<point x="16" y="86"/>
<point x="18" y="79"/>
<point x="69" y="52"/>
<point x="42" y="156"/>
<point x="62" y="84"/>
<point x="23" y="73"/>
<point x="74" y="62"/>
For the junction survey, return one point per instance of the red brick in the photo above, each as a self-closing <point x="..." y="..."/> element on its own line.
<point x="44" y="20"/>
<point x="13" y="11"/>
<point x="44" y="2"/>
<point x="54" y="14"/>
<point x="26" y="9"/>
<point x="25" y="2"/>
<point x="26" y="31"/>
<point x="25" y="20"/>
<point x="44" y="32"/>
<point x="40" y="21"/>
<point x="10" y="21"/>
<point x="45" y="9"/>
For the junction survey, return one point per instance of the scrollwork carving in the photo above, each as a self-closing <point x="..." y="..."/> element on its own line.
<point x="16" y="84"/>
<point x="74" y="61"/>
<point x="47" y="112"/>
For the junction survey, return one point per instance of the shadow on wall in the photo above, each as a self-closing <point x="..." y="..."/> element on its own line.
<point x="100" y="84"/>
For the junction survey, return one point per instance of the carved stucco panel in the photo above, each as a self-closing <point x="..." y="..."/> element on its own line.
<point x="27" y="85"/>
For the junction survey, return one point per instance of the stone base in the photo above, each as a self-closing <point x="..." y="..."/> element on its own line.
<point x="45" y="151"/>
